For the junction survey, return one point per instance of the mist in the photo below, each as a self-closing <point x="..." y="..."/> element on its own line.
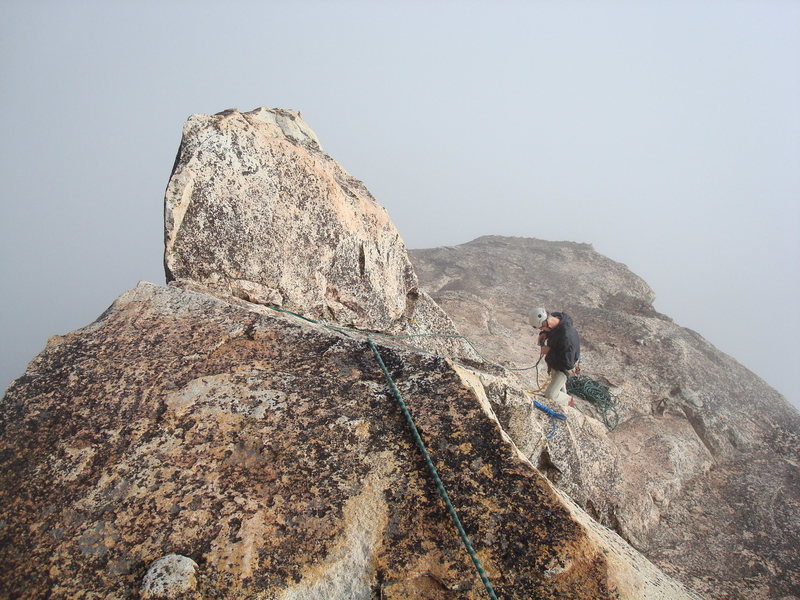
<point x="665" y="134"/>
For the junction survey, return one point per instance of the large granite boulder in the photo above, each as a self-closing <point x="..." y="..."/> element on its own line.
<point x="702" y="474"/>
<point x="269" y="451"/>
<point x="255" y="209"/>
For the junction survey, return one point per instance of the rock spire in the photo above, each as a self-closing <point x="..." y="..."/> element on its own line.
<point x="255" y="209"/>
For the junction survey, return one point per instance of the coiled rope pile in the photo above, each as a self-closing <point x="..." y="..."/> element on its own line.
<point x="596" y="393"/>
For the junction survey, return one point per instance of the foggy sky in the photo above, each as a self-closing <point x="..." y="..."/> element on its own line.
<point x="666" y="134"/>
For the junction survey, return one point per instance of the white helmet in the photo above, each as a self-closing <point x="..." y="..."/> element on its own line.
<point x="537" y="317"/>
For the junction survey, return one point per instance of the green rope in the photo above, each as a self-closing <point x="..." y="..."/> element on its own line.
<point x="434" y="473"/>
<point x="596" y="393"/>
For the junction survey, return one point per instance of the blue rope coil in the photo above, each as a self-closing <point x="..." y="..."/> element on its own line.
<point x="553" y="416"/>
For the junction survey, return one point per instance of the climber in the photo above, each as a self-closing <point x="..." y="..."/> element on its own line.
<point x="560" y="346"/>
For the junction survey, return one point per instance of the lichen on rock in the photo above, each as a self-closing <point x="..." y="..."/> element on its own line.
<point x="270" y="450"/>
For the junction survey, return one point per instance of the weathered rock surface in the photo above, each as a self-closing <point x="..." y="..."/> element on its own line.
<point x="703" y="472"/>
<point x="255" y="209"/>
<point x="269" y="451"/>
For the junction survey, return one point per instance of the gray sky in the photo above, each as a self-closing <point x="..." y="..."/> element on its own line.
<point x="666" y="134"/>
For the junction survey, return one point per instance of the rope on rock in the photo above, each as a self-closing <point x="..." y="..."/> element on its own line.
<point x="347" y="330"/>
<point x="434" y="473"/>
<point x="596" y="393"/>
<point x="553" y="416"/>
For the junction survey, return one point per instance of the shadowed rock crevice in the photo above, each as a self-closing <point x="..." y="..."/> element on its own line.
<point x="546" y="467"/>
<point x="699" y="427"/>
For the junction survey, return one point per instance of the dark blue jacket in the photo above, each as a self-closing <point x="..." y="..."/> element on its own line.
<point x="564" y="343"/>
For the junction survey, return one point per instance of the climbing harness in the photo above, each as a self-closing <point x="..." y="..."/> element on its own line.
<point x="434" y="473"/>
<point x="598" y="394"/>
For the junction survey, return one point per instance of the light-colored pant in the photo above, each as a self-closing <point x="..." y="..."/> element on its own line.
<point x="557" y="390"/>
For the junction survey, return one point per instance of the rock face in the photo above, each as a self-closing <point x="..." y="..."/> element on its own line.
<point x="199" y="422"/>
<point x="703" y="472"/>
<point x="269" y="450"/>
<point x="256" y="210"/>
